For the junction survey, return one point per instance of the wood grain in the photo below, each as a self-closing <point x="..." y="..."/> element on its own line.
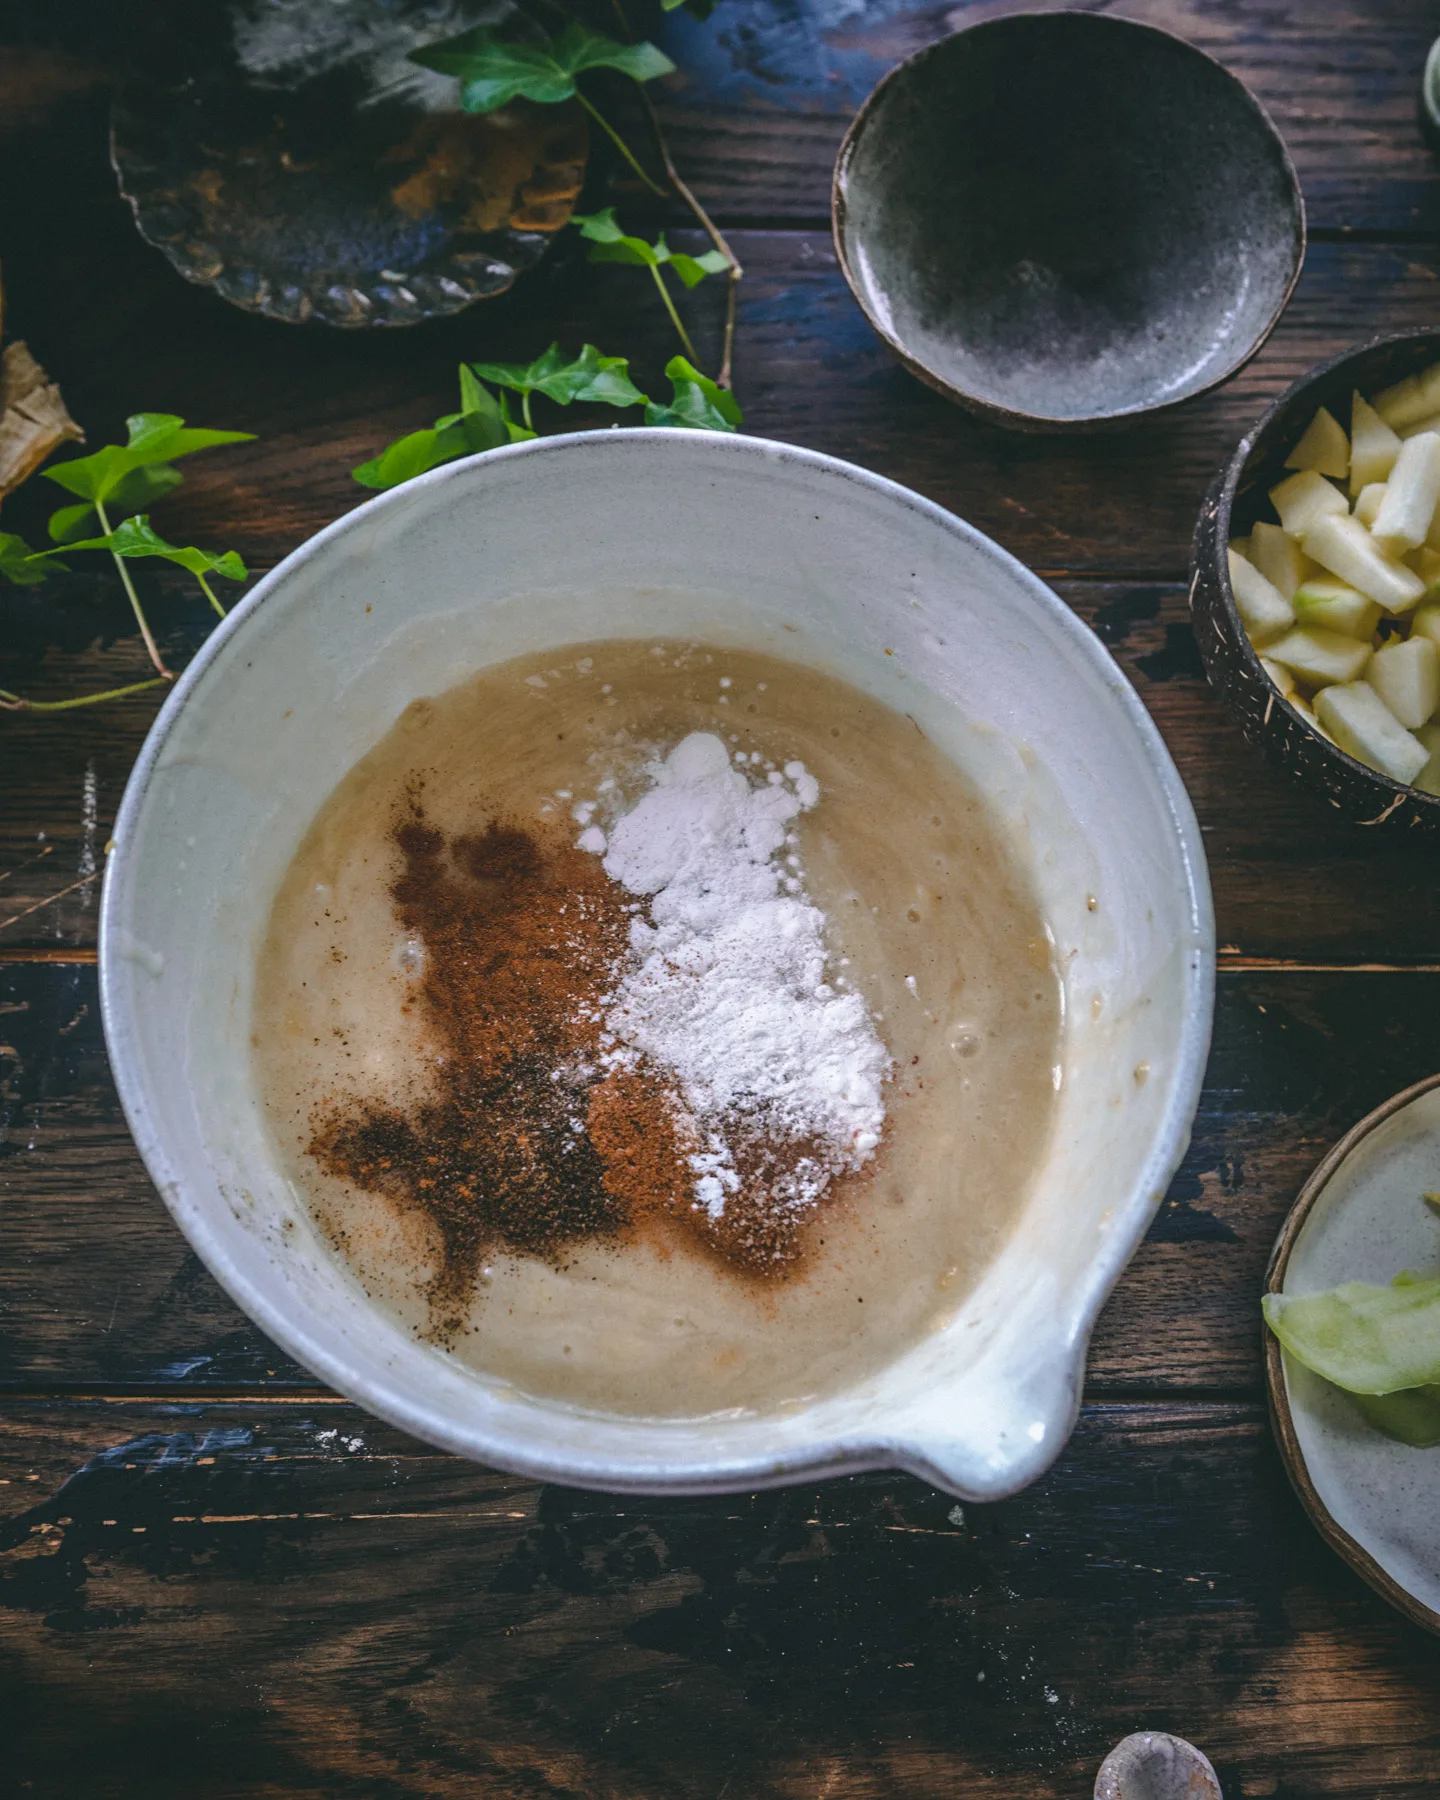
<point x="282" y="1600"/>
<point x="99" y="1290"/>
<point x="766" y="93"/>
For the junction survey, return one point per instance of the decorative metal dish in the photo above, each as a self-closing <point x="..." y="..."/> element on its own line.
<point x="302" y="167"/>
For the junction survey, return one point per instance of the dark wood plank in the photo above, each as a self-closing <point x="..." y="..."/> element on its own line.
<point x="263" y="1601"/>
<point x="98" y="1289"/>
<point x="766" y="90"/>
<point x="1290" y="879"/>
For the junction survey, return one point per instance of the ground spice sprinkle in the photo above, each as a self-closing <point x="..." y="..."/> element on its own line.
<point x="631" y="1034"/>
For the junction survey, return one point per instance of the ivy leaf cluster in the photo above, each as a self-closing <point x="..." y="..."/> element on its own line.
<point x="612" y="245"/>
<point x="698" y="403"/>
<point x="589" y="376"/>
<point x="482" y="423"/>
<point x="609" y="244"/>
<point x="124" y="480"/>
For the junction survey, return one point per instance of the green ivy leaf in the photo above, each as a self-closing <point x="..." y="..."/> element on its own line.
<point x="611" y="245"/>
<point x="134" y="493"/>
<point x="93" y="477"/>
<point x="154" y="438"/>
<point x="481" y="424"/>
<point x="589" y="376"/>
<point x="137" y="537"/>
<point x="17" y="561"/>
<point x="699" y="404"/>
<point x="162" y="437"/>
<point x="492" y="70"/>
<point x="519" y="434"/>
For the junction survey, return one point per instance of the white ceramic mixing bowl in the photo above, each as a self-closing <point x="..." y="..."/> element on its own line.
<point x="735" y="541"/>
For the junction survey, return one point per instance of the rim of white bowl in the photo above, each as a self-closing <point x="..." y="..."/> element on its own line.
<point x="849" y="1454"/>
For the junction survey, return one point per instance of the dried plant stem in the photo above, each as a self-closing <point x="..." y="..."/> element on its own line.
<point x="708" y="225"/>
<point x="18" y="703"/>
<point x="39" y="856"/>
<point x="139" y="611"/>
<point x="15" y="918"/>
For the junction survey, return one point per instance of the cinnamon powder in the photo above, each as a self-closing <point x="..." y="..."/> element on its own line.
<point x="523" y="1144"/>
<point x="530" y="1141"/>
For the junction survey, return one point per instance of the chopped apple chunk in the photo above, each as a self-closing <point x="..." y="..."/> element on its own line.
<point x="1324" y="447"/>
<point x="1280" y="675"/>
<point x="1335" y="605"/>
<point x="1410" y="400"/>
<point x="1278" y="558"/>
<point x="1373" y="446"/>
<point x="1406" y="676"/>
<point x="1426" y="623"/>
<point x="1368" y="502"/>
<point x="1344" y="547"/>
<point x="1318" y="656"/>
<point x="1359" y="721"/>
<point x="1411" y="494"/>
<point x="1426" y="564"/>
<point x="1302" y="499"/>
<point x="1264" y="611"/>
<point x="1428" y="780"/>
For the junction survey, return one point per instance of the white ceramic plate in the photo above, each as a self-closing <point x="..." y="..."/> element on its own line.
<point x="1361" y="1217"/>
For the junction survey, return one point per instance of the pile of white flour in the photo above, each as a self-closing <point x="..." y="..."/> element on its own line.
<point x="726" y="989"/>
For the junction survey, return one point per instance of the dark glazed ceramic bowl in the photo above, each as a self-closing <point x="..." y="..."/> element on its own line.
<point x="1063" y="220"/>
<point x="1238" y="497"/>
<point x="288" y="155"/>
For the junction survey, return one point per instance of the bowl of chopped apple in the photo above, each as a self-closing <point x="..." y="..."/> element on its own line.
<point x="1315" y="589"/>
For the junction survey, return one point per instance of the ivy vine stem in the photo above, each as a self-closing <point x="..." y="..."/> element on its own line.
<point x="18" y="703"/>
<point x="210" y="593"/>
<point x="139" y="611"/>
<point x="675" y="318"/>
<point x="619" y="142"/>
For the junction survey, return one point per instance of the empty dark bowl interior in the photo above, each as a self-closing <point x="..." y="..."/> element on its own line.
<point x="1070" y="216"/>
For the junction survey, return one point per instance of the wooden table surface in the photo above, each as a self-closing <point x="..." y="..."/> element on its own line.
<point x="218" y="1578"/>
